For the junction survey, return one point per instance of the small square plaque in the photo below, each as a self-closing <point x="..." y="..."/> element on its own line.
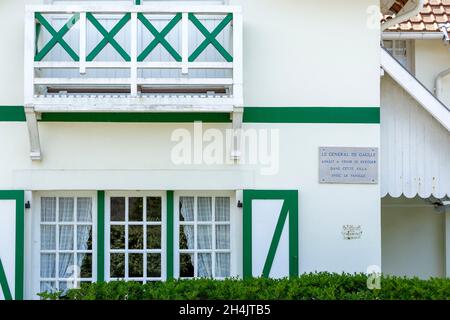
<point x="348" y="165"/>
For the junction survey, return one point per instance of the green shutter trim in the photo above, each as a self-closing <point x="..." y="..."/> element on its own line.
<point x="12" y="114"/>
<point x="275" y="240"/>
<point x="290" y="207"/>
<point x="138" y="2"/>
<point x="170" y="235"/>
<point x="19" y="197"/>
<point x="100" y="236"/>
<point x="4" y="283"/>
<point x="337" y="115"/>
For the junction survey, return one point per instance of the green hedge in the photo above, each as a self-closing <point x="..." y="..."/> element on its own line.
<point x="320" y="286"/>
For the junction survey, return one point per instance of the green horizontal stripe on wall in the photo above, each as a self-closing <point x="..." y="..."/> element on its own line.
<point x="361" y="115"/>
<point x="312" y="115"/>
<point x="12" y="113"/>
<point x="135" y="117"/>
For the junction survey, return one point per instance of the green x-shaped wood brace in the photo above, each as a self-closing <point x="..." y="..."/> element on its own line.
<point x="160" y="37"/>
<point x="108" y="37"/>
<point x="210" y="37"/>
<point x="57" y="37"/>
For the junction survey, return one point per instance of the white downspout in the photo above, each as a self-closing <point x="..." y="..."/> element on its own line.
<point x="404" y="16"/>
<point x="438" y="83"/>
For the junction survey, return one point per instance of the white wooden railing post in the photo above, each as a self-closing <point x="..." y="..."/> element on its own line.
<point x="133" y="55"/>
<point x="82" y="42"/>
<point x="185" y="43"/>
<point x="29" y="51"/>
<point x="238" y="58"/>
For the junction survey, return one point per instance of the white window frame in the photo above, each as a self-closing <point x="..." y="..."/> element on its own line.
<point x="34" y="285"/>
<point x="126" y="251"/>
<point x="234" y="235"/>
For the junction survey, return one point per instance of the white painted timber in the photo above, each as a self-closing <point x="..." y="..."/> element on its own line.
<point x="408" y="82"/>
<point x="415" y="157"/>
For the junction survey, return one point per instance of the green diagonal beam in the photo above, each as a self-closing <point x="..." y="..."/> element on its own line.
<point x="160" y="37"/>
<point x="4" y="283"/>
<point x="210" y="37"/>
<point x="57" y="37"/>
<point x="275" y="240"/>
<point x="108" y="37"/>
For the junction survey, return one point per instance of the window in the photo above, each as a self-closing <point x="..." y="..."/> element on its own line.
<point x="136" y="238"/>
<point x="66" y="238"/>
<point x="401" y="50"/>
<point x="204" y="237"/>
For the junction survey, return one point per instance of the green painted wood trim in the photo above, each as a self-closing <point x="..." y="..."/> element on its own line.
<point x="100" y="236"/>
<point x="108" y="37"/>
<point x="363" y="115"/>
<point x="170" y="235"/>
<point x="58" y="37"/>
<point x="12" y="114"/>
<point x="136" y="117"/>
<point x="4" y="283"/>
<point x="159" y="37"/>
<point x="276" y="239"/>
<point x="290" y="206"/>
<point x="210" y="37"/>
<point x="19" y="197"/>
<point x="138" y="2"/>
<point x="338" y="115"/>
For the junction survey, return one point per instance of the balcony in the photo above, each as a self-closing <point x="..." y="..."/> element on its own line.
<point x="133" y="58"/>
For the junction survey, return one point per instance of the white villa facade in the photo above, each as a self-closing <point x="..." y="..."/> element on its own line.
<point x="151" y="140"/>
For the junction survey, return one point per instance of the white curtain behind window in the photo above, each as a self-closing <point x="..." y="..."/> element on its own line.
<point x="222" y="265"/>
<point x="204" y="265"/>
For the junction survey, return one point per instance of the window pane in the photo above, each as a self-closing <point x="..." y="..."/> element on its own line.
<point x="48" y="237"/>
<point x="153" y="209"/>
<point x="117" y="265"/>
<point x="84" y="262"/>
<point x="136" y="265"/>
<point x="136" y="209"/>
<point x="186" y="208"/>
<point x="204" y="265"/>
<point x="84" y="237"/>
<point x="186" y="265"/>
<point x="222" y="209"/>
<point x="48" y="286"/>
<point x="186" y="237"/>
<point x="48" y="209"/>
<point x="48" y="265"/>
<point x="153" y="265"/>
<point x="65" y="237"/>
<point x="222" y="265"/>
<point x="222" y="237"/>
<point x="117" y="237"/>
<point x="153" y="237"/>
<point x="66" y="265"/>
<point x="136" y="237"/>
<point x="117" y="209"/>
<point x="204" y="237"/>
<point x="66" y="207"/>
<point x="84" y="209"/>
<point x="204" y="209"/>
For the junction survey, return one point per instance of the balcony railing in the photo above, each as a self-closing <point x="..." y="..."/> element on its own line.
<point x="141" y="57"/>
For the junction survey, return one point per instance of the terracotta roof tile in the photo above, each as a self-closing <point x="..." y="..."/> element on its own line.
<point x="433" y="14"/>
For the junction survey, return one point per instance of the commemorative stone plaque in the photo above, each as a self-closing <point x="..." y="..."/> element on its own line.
<point x="348" y="165"/>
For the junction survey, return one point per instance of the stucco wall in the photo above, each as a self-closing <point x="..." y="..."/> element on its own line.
<point x="431" y="58"/>
<point x="413" y="235"/>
